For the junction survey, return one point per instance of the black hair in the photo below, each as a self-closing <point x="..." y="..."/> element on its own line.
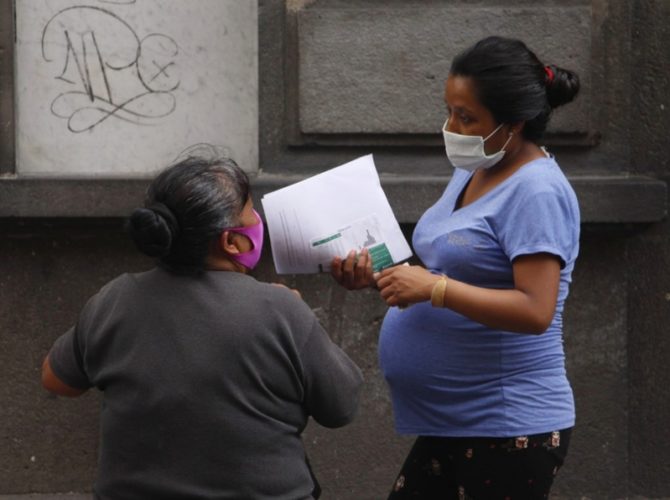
<point x="186" y="208"/>
<point x="514" y="85"/>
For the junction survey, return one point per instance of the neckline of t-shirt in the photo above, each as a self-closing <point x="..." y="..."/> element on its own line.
<point x="514" y="176"/>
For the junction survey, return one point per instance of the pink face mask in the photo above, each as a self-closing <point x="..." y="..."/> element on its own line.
<point x="255" y="234"/>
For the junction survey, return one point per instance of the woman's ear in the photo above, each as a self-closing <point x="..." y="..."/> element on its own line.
<point x="227" y="243"/>
<point x="516" y="128"/>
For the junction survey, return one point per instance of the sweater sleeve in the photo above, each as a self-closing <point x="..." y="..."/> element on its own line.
<point x="67" y="355"/>
<point x="332" y="381"/>
<point x="66" y="361"/>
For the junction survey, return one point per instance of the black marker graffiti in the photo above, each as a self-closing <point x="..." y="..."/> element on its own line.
<point x="118" y="74"/>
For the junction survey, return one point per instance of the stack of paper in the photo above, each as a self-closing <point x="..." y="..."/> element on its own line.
<point x="327" y="215"/>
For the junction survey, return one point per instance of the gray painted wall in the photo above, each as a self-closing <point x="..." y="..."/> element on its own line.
<point x="616" y="317"/>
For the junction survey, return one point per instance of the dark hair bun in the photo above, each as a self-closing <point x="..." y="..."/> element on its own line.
<point x="563" y="88"/>
<point x="150" y="231"/>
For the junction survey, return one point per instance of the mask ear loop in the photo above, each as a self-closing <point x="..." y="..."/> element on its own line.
<point x="493" y="133"/>
<point x="507" y="142"/>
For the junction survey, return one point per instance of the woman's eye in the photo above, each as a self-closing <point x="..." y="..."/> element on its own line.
<point x="465" y="119"/>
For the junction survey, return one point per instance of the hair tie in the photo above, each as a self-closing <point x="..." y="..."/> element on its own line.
<point x="167" y="214"/>
<point x="550" y="75"/>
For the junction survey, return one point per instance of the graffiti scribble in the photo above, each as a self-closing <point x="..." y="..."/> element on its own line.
<point x="108" y="70"/>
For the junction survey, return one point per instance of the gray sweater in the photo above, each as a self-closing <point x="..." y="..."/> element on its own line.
<point x="207" y="385"/>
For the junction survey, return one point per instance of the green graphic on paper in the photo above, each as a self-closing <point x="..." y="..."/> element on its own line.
<point x="381" y="257"/>
<point x="326" y="240"/>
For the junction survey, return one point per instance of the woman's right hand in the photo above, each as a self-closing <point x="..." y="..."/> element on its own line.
<point x="354" y="272"/>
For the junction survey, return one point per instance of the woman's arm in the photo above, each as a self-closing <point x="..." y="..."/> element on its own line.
<point x="527" y="308"/>
<point x="53" y="384"/>
<point x="332" y="381"/>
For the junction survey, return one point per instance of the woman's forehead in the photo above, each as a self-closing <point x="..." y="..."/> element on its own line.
<point x="460" y="92"/>
<point x="459" y="88"/>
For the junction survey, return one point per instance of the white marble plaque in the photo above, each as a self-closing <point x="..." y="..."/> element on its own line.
<point x="118" y="88"/>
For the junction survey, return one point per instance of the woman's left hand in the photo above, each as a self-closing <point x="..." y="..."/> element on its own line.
<point x="404" y="285"/>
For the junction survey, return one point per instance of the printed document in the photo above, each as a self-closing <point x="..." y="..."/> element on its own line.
<point x="327" y="215"/>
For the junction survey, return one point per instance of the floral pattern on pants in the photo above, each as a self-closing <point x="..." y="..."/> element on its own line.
<point x="518" y="468"/>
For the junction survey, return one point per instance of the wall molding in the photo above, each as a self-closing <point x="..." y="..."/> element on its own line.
<point x="603" y="199"/>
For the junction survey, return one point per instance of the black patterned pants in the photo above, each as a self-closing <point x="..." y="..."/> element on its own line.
<point x="520" y="468"/>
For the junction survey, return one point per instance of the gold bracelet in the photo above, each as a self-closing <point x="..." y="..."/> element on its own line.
<point x="438" y="292"/>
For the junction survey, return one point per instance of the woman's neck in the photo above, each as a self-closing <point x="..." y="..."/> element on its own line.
<point x="220" y="263"/>
<point x="516" y="157"/>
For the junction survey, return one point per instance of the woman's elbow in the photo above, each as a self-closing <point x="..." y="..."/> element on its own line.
<point x="334" y="421"/>
<point x="539" y="323"/>
<point x="53" y="384"/>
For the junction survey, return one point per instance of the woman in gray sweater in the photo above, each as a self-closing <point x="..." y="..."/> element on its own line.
<point x="208" y="376"/>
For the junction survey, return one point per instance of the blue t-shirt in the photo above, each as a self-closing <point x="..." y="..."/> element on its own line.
<point x="452" y="376"/>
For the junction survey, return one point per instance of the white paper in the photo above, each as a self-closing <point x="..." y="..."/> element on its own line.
<point x="329" y="214"/>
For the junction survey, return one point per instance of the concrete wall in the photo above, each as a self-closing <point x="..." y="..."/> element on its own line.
<point x="616" y="317"/>
<point x="648" y="257"/>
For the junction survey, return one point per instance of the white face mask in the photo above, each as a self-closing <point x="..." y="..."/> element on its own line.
<point x="467" y="151"/>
